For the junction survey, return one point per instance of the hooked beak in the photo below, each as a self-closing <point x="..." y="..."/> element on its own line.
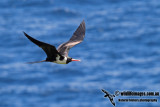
<point x="75" y="60"/>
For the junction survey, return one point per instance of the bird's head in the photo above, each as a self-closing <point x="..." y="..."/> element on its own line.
<point x="71" y="59"/>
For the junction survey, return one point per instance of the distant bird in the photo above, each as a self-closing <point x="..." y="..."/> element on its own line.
<point x="109" y="96"/>
<point x="60" y="55"/>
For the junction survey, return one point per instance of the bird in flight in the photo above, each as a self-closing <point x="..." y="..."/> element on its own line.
<point x="60" y="55"/>
<point x="109" y="96"/>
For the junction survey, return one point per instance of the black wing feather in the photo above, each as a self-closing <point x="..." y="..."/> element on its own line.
<point x="50" y="50"/>
<point x="105" y="92"/>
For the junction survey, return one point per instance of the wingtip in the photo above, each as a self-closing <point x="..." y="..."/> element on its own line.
<point x="102" y="90"/>
<point x="83" y="21"/>
<point x="25" y="33"/>
<point x="83" y="24"/>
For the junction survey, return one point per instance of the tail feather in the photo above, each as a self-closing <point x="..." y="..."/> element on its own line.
<point x="36" y="62"/>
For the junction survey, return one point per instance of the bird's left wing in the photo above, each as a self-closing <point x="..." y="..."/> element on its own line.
<point x="77" y="38"/>
<point x="105" y="91"/>
<point x="50" y="50"/>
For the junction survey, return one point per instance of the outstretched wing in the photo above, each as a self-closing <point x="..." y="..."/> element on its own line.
<point x="77" y="38"/>
<point x="109" y="96"/>
<point x="105" y="92"/>
<point x="49" y="49"/>
<point x="111" y="99"/>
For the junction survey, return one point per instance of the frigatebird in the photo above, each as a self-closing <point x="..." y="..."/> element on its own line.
<point x="60" y="55"/>
<point x="109" y="96"/>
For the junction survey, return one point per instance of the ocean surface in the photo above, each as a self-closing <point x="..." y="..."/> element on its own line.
<point x="121" y="51"/>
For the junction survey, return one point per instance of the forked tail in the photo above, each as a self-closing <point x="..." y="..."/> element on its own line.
<point x="36" y="62"/>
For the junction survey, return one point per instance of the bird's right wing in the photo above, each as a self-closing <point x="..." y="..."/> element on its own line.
<point x="49" y="49"/>
<point x="77" y="38"/>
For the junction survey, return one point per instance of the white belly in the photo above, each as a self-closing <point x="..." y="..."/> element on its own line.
<point x="60" y="61"/>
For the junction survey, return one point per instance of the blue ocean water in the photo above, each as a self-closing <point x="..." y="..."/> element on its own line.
<point x="121" y="51"/>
